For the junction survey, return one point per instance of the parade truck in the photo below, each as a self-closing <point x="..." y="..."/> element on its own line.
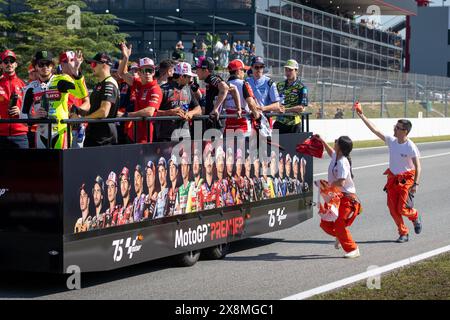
<point x="103" y="208"/>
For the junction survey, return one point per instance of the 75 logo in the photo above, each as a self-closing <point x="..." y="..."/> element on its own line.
<point x="130" y="246"/>
<point x="276" y="215"/>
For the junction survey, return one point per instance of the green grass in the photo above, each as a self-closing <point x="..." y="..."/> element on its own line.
<point x="427" y="280"/>
<point x="393" y="110"/>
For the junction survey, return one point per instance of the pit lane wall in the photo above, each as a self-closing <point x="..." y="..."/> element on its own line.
<point x="357" y="131"/>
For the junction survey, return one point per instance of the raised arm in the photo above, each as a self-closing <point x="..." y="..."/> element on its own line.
<point x="327" y="147"/>
<point x="368" y="123"/>
<point x="126" y="53"/>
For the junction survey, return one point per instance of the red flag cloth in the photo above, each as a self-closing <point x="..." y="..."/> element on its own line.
<point x="311" y="146"/>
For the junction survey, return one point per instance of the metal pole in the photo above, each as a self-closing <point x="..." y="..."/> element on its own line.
<point x="322" y="102"/>
<point x="382" y="102"/>
<point x="446" y="104"/>
<point x="354" y="100"/>
<point x="406" y="102"/>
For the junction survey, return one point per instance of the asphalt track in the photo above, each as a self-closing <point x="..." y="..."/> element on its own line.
<point x="277" y="265"/>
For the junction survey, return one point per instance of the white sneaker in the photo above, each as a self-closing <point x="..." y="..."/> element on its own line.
<point x="353" y="254"/>
<point x="337" y="244"/>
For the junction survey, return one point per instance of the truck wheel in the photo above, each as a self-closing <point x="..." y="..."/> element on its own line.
<point x="217" y="252"/>
<point x="187" y="259"/>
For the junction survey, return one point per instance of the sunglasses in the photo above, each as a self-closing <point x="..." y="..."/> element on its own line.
<point x="42" y="64"/>
<point x="9" y="61"/>
<point x="147" y="70"/>
<point x="399" y="128"/>
<point x="258" y="67"/>
<point x="95" y="63"/>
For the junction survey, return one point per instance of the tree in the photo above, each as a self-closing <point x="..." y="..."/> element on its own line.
<point x="59" y="25"/>
<point x="5" y="26"/>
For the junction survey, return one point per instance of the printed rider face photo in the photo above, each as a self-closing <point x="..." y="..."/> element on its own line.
<point x="173" y="171"/>
<point x="196" y="167"/>
<point x="162" y="173"/>
<point x="295" y="167"/>
<point x="256" y="167"/>
<point x="111" y="185"/>
<point x="138" y="181"/>
<point x="98" y="192"/>
<point x="273" y="165"/>
<point x="248" y="167"/>
<point x="220" y="163"/>
<point x="288" y="166"/>
<point x="150" y="177"/>
<point x="185" y="168"/>
<point x="239" y="163"/>
<point x="125" y="186"/>
<point x="281" y="167"/>
<point x="230" y="162"/>
<point x="84" y="202"/>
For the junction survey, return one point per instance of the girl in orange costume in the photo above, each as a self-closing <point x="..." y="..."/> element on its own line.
<point x="340" y="178"/>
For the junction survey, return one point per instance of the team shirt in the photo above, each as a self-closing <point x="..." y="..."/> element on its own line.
<point x="98" y="134"/>
<point x="193" y="201"/>
<point x="290" y="96"/>
<point x="209" y="196"/>
<point x="147" y="95"/>
<point x="245" y="91"/>
<point x="401" y="155"/>
<point x="125" y="214"/>
<point x="171" y="201"/>
<point x="138" y="208"/>
<point x="174" y="96"/>
<point x="340" y="169"/>
<point x="161" y="204"/>
<point x="182" y="198"/>
<point x="150" y="205"/>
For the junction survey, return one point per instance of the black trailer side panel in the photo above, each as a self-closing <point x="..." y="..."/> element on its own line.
<point x="31" y="210"/>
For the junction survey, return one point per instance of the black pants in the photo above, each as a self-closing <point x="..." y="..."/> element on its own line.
<point x="14" y="142"/>
<point x="283" y="128"/>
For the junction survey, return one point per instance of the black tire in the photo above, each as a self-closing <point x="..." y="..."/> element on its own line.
<point x="187" y="259"/>
<point x="217" y="252"/>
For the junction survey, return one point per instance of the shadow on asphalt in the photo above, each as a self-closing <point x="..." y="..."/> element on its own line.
<point x="27" y="285"/>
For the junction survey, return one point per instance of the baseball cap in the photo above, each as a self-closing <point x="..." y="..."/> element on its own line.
<point x="220" y="153"/>
<point x="288" y="158"/>
<point x="281" y="157"/>
<point x="102" y="57"/>
<point x="99" y="181"/>
<point x="197" y="155"/>
<point x="237" y="64"/>
<point x="239" y="154"/>
<point x="112" y="177"/>
<point x="257" y="60"/>
<point x="66" y="56"/>
<point x="184" y="158"/>
<point x="205" y="63"/>
<point x="230" y="152"/>
<point x="173" y="159"/>
<point x="291" y="64"/>
<point x="43" y="55"/>
<point x="8" y="53"/>
<point x="162" y="162"/>
<point x="146" y="62"/>
<point x="83" y="187"/>
<point x="134" y="65"/>
<point x="115" y="66"/>
<point x="208" y="149"/>
<point x="138" y="168"/>
<point x="295" y="159"/>
<point x="150" y="165"/>
<point x="125" y="172"/>
<point x="184" y="69"/>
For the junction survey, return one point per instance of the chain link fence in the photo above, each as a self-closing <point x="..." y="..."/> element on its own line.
<point x="332" y="93"/>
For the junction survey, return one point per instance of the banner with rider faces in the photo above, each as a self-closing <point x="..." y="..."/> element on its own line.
<point x="154" y="181"/>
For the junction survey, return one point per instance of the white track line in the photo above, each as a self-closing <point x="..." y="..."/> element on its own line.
<point x="386" y="163"/>
<point x="368" y="274"/>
